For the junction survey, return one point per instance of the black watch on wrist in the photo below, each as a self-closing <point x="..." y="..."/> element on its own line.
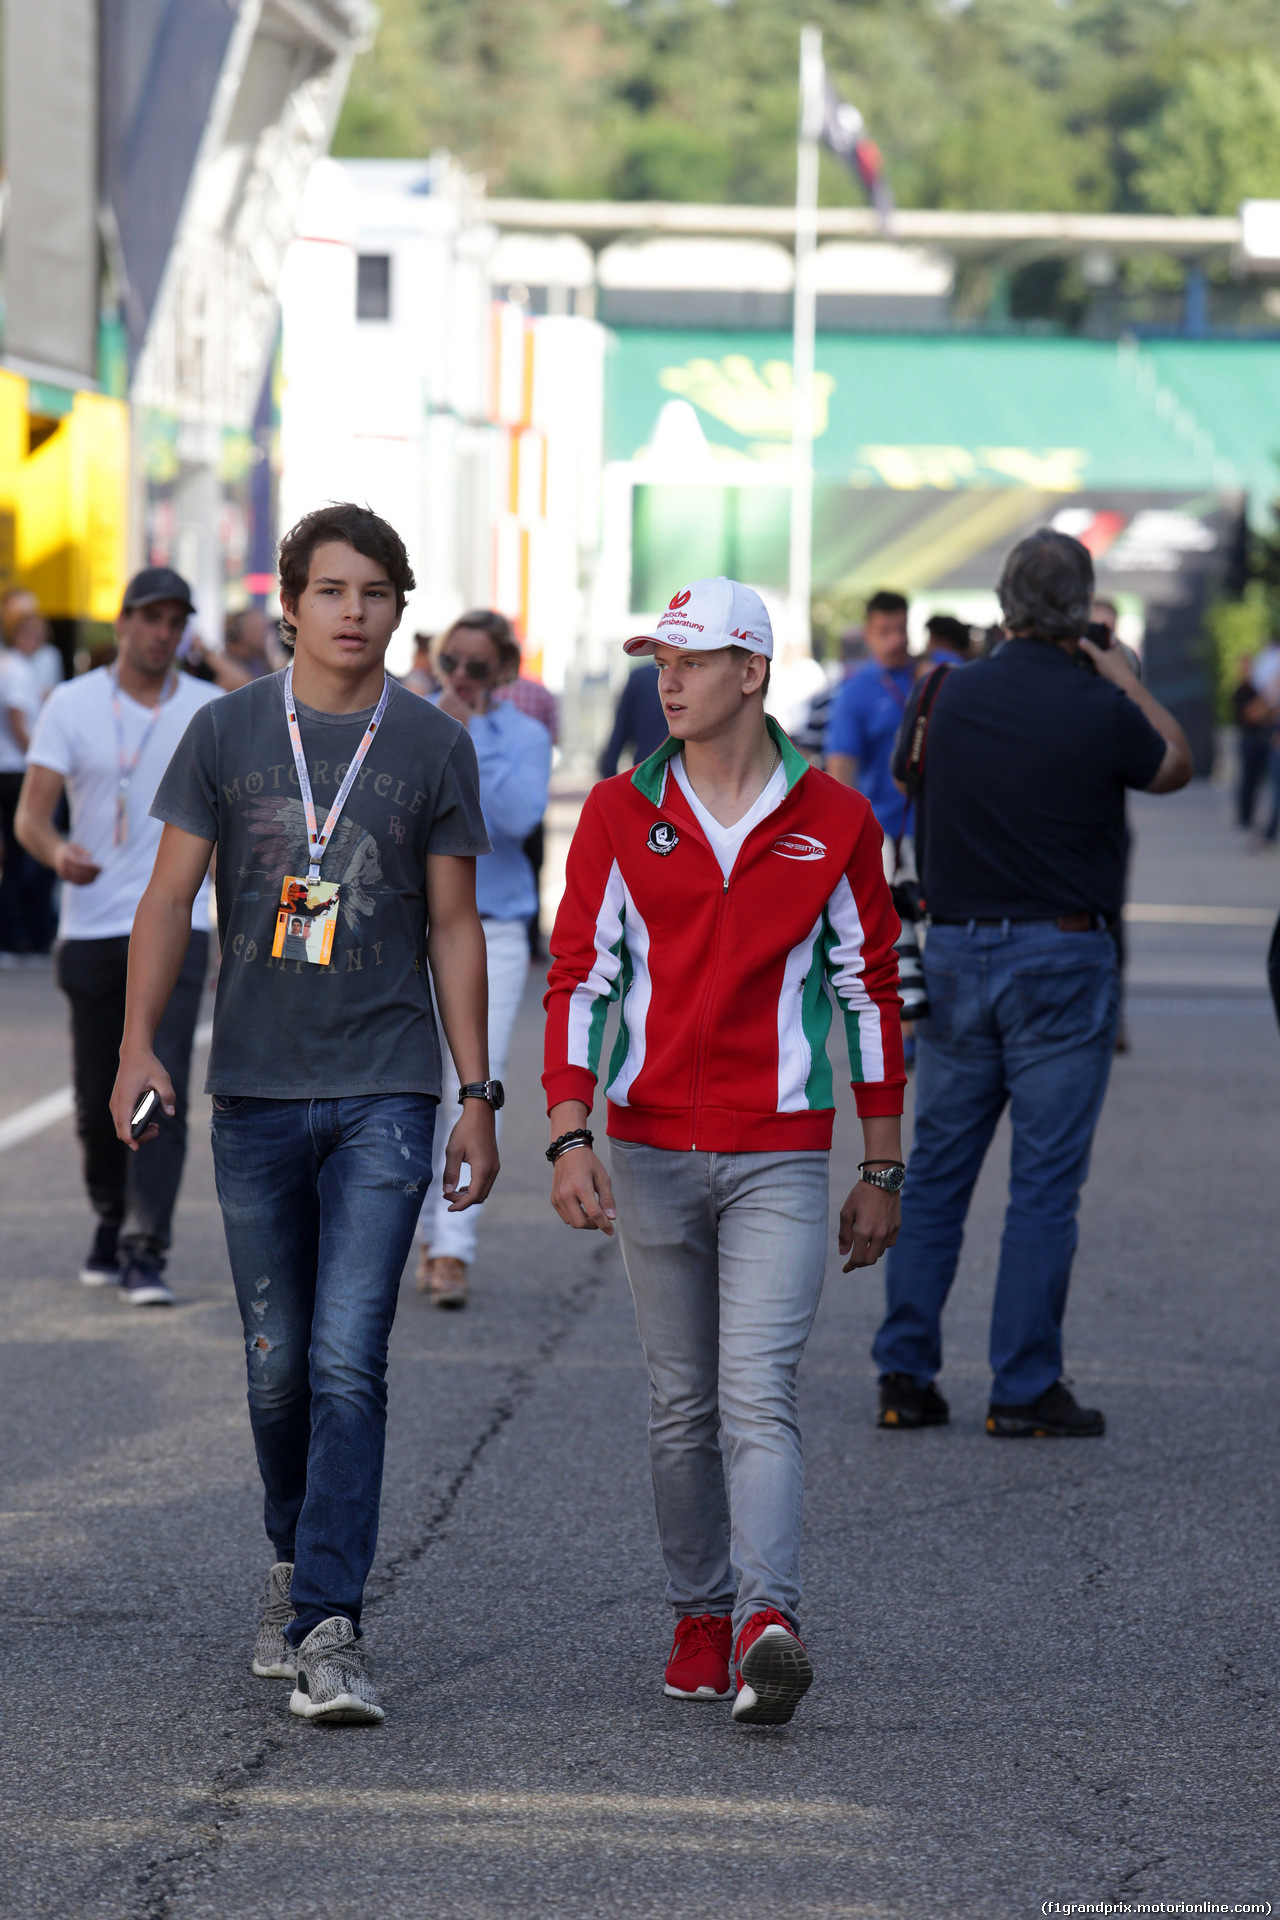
<point x="490" y="1090"/>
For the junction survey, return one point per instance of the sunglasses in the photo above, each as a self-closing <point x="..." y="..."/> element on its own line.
<point x="474" y="669"/>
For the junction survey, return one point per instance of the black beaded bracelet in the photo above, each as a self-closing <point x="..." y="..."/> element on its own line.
<point x="579" y="1137"/>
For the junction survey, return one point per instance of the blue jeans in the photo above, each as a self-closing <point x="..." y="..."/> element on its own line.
<point x="1272" y="828"/>
<point x="1026" y="1014"/>
<point x="319" y="1200"/>
<point x="725" y="1253"/>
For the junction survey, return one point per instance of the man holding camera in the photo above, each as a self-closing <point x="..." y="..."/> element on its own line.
<point x="1020" y="764"/>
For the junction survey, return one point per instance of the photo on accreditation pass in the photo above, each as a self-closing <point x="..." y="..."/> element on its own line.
<point x="306" y="920"/>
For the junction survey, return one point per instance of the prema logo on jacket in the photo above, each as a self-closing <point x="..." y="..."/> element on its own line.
<point x="799" y="846"/>
<point x="678" y="600"/>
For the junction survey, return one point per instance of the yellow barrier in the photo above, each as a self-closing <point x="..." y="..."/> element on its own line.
<point x="64" y="502"/>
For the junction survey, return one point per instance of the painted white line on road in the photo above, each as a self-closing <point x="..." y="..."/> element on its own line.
<point x="44" y="1113"/>
<point x="35" y="1118"/>
<point x="1200" y="916"/>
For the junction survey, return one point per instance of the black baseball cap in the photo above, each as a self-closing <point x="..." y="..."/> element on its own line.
<point x="156" y="583"/>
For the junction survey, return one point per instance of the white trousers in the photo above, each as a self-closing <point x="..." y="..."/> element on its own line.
<point x="454" y="1234"/>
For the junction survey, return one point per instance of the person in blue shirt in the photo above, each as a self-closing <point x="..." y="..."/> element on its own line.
<point x="950" y="641"/>
<point x="514" y="755"/>
<point x="867" y="713"/>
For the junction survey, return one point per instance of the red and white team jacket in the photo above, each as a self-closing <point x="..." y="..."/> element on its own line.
<point x="726" y="985"/>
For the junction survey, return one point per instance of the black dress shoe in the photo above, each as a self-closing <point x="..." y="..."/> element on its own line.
<point x="1054" y="1416"/>
<point x="904" y="1404"/>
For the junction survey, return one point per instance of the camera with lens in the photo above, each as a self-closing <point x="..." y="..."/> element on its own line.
<point x="908" y="901"/>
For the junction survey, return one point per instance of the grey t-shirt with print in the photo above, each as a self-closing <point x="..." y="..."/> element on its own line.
<point x="284" y="1029"/>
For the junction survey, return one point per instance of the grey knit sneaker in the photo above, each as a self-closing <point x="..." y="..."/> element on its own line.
<point x="333" y="1677"/>
<point x="273" y="1657"/>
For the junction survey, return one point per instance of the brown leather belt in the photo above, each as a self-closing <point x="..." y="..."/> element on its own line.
<point x="1065" y="922"/>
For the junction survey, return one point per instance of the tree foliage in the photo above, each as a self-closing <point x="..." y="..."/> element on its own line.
<point x="1168" y="105"/>
<point x="1215" y="140"/>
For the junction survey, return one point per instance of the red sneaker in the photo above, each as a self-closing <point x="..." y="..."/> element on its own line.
<point x="698" y="1668"/>
<point x="774" y="1671"/>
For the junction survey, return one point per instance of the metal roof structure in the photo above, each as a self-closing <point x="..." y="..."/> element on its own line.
<point x="1034" y="235"/>
<point x="277" y="75"/>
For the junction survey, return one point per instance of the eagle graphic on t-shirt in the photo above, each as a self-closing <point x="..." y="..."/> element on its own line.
<point x="279" y="832"/>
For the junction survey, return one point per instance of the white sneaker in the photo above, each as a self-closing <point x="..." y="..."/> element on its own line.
<point x="333" y="1683"/>
<point x="273" y="1657"/>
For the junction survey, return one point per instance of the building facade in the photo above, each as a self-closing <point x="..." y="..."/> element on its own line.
<point x="156" y="154"/>
<point x="471" y="422"/>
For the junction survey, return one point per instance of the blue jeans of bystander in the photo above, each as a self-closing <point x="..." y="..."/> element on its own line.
<point x="1272" y="828"/>
<point x="1024" y="1014"/>
<point x="319" y="1200"/>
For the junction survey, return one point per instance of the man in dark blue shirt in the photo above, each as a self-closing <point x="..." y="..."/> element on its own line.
<point x="639" y="722"/>
<point x="867" y="713"/>
<point x="1026" y="760"/>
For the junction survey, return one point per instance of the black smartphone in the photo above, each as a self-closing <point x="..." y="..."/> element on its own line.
<point x="1102" y="637"/>
<point x="146" y="1111"/>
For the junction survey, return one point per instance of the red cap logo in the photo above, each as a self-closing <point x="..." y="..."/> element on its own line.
<point x="680" y="599"/>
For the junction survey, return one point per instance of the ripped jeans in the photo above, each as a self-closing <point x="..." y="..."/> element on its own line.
<point x="319" y="1200"/>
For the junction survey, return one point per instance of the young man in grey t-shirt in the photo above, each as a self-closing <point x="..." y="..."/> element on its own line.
<point x="338" y="802"/>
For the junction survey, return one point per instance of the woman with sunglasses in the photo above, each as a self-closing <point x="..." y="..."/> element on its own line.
<point x="514" y="754"/>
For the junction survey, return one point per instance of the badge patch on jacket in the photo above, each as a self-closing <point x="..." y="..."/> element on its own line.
<point x="662" y="837"/>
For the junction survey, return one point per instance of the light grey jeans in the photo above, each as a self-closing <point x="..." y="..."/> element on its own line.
<point x="725" y="1253"/>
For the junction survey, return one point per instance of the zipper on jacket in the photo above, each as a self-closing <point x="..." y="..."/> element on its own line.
<point x="701" y="1053"/>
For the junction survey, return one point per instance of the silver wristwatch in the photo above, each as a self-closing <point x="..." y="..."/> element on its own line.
<point x="891" y="1177"/>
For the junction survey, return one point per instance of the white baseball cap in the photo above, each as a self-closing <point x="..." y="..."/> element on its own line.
<point x="708" y="614"/>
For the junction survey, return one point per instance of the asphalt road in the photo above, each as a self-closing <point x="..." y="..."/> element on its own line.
<point x="1045" y="1671"/>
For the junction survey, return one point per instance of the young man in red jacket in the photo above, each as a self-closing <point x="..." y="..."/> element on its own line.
<point x="726" y="894"/>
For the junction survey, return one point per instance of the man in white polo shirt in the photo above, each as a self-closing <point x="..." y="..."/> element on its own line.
<point x="107" y="738"/>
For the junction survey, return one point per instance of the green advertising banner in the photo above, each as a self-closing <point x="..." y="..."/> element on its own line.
<point x="954" y="411"/>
